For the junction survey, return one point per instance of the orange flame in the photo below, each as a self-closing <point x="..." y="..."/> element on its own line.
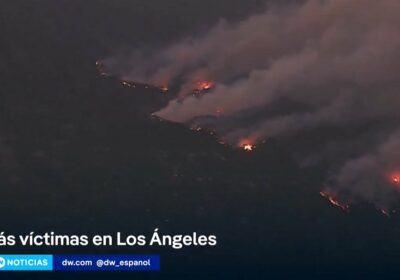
<point x="395" y="178"/>
<point x="204" y="85"/>
<point x="164" y="88"/>
<point x="248" y="147"/>
<point x="333" y="200"/>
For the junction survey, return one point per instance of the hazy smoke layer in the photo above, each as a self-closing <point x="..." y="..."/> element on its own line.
<point x="338" y="60"/>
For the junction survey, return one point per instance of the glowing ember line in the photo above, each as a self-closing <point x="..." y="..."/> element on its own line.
<point x="334" y="201"/>
<point x="205" y="85"/>
<point x="164" y="88"/>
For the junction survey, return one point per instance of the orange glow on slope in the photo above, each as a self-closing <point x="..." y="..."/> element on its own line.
<point x="247" y="144"/>
<point x="204" y="85"/>
<point x="164" y="88"/>
<point x="248" y="147"/>
<point x="395" y="178"/>
<point x="333" y="200"/>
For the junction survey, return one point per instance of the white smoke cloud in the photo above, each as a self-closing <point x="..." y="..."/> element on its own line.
<point x="338" y="58"/>
<point x="368" y="176"/>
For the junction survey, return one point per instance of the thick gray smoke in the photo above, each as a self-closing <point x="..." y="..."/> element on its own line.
<point x="336" y="61"/>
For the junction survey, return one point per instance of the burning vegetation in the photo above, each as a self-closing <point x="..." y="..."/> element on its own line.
<point x="245" y="145"/>
<point x="164" y="88"/>
<point x="198" y="88"/>
<point x="395" y="178"/>
<point x="102" y="72"/>
<point x="204" y="86"/>
<point x="333" y="200"/>
<point x="248" y="147"/>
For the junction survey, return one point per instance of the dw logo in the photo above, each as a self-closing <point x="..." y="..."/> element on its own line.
<point x="2" y="262"/>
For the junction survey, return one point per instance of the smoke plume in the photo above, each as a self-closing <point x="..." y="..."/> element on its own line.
<point x="297" y="70"/>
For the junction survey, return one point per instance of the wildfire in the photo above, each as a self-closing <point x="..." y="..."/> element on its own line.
<point x="333" y="200"/>
<point x="164" y="88"/>
<point x="204" y="85"/>
<point x="395" y="178"/>
<point x="248" y="147"/>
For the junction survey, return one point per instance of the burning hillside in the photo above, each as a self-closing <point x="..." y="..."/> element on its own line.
<point x="395" y="178"/>
<point x="248" y="147"/>
<point x="342" y="69"/>
<point x="196" y="89"/>
<point x="204" y="86"/>
<point x="334" y="201"/>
